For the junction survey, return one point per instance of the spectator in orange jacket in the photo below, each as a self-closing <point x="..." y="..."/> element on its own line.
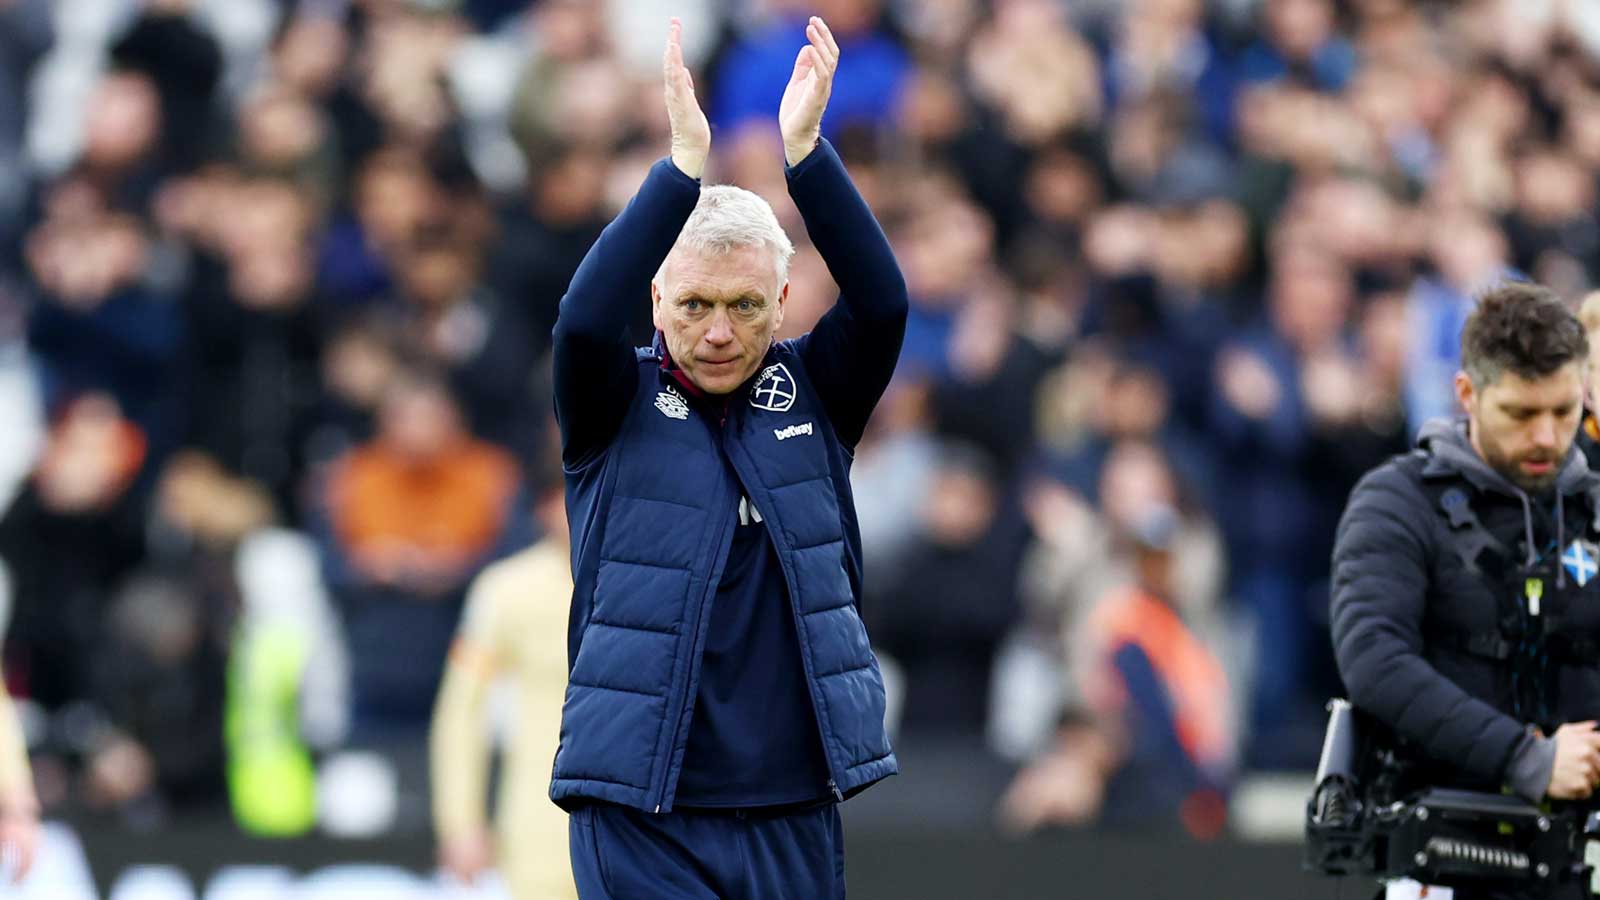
<point x="411" y="516"/>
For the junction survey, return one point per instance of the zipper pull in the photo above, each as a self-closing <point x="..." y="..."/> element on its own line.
<point x="1533" y="589"/>
<point x="838" y="795"/>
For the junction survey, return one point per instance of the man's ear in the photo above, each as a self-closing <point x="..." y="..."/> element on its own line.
<point x="1466" y="391"/>
<point x="655" y="304"/>
<point x="777" y="318"/>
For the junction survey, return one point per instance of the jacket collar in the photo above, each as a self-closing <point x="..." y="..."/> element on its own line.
<point x="721" y="403"/>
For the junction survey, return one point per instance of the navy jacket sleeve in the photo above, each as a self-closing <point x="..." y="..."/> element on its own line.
<point x="1380" y="586"/>
<point x="852" y="352"/>
<point x="595" y="369"/>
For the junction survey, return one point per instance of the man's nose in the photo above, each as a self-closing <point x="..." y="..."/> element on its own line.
<point x="721" y="330"/>
<point x="1544" y="432"/>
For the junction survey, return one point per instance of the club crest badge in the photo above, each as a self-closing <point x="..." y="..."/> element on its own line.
<point x="672" y="404"/>
<point x="774" y="390"/>
<point x="1582" y="561"/>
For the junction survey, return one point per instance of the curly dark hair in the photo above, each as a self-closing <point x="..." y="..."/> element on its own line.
<point x="1522" y="327"/>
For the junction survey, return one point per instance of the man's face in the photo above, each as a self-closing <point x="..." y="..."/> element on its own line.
<point x="1523" y="428"/>
<point x="717" y="313"/>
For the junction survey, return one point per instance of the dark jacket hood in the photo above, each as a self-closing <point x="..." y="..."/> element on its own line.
<point x="1449" y="451"/>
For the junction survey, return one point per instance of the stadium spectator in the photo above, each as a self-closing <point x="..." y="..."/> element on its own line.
<point x="1589" y="431"/>
<point x="943" y="611"/>
<point x="755" y="69"/>
<point x="72" y="534"/>
<point x="411" y="516"/>
<point x="1153" y="747"/>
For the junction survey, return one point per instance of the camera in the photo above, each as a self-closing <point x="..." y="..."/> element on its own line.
<point x="1369" y="814"/>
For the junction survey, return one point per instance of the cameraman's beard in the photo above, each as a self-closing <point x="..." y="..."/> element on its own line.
<point x="1510" y="468"/>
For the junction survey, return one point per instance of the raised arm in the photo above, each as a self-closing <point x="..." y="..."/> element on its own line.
<point x="595" y="372"/>
<point x="851" y="354"/>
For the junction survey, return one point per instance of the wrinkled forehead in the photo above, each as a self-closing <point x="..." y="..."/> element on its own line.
<point x="720" y="275"/>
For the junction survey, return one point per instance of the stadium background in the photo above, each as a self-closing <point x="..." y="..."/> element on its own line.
<point x="1180" y="272"/>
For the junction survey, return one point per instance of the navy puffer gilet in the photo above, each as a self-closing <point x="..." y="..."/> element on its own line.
<point x="652" y="520"/>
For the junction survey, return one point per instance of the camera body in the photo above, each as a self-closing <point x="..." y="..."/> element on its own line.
<point x="1367" y="816"/>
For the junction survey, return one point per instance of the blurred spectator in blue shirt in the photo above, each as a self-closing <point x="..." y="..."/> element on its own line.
<point x="754" y="71"/>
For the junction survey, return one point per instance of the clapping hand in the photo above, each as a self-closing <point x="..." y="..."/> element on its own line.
<point x="800" y="112"/>
<point x="691" y="133"/>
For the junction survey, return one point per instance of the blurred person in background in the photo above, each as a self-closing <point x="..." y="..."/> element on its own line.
<point x="1300" y="42"/>
<point x="158" y="683"/>
<point x="411" y="516"/>
<point x="400" y="70"/>
<point x="311" y="57"/>
<point x="989" y="393"/>
<point x="1131" y="404"/>
<point x="1078" y="555"/>
<point x="513" y="627"/>
<point x="393" y="197"/>
<point x="1261" y="422"/>
<point x="756" y="69"/>
<point x="116" y="621"/>
<point x="1589" y="432"/>
<point x="947" y="242"/>
<point x="152" y="720"/>
<point x="122" y="132"/>
<point x="893" y="468"/>
<point x="546" y="232"/>
<point x="359" y="361"/>
<point x="572" y="90"/>
<point x="1162" y="46"/>
<point x="455" y="322"/>
<point x="723" y="698"/>
<point x="184" y="63"/>
<point x="1035" y="83"/>
<point x="283" y="135"/>
<point x="251" y="316"/>
<point x="1467" y="252"/>
<point x="73" y="533"/>
<point x="1153" y="746"/>
<point x="941" y="616"/>
<point x="96" y="325"/>
<point x="26" y="30"/>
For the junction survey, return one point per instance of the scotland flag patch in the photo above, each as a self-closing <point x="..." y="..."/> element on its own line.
<point x="1582" y="561"/>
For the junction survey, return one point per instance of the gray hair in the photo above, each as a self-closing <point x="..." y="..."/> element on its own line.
<point x="728" y="217"/>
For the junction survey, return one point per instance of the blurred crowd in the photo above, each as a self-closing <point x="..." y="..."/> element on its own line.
<point x="277" y="279"/>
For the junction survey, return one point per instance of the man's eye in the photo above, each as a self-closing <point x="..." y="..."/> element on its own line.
<point x="746" y="306"/>
<point x="693" y="305"/>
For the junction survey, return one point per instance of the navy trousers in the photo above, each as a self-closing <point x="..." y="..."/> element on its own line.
<point x="620" y="853"/>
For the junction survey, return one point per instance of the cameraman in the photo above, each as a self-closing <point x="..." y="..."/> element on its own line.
<point x="1466" y="580"/>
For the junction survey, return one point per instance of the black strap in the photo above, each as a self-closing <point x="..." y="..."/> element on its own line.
<point x="1574" y="649"/>
<point x="1568" y="649"/>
